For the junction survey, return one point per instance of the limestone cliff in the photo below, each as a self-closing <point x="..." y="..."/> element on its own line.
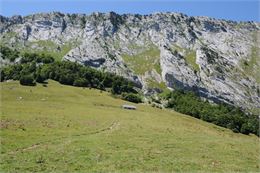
<point x="218" y="59"/>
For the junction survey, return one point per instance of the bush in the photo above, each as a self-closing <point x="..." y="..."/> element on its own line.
<point x="29" y="57"/>
<point x="66" y="79"/>
<point x="131" y="97"/>
<point x="40" y="75"/>
<point x="81" y="82"/>
<point x="245" y="129"/>
<point x="46" y="59"/>
<point x="34" y="57"/>
<point x="2" y="75"/>
<point x="40" y="78"/>
<point x="27" y="80"/>
<point x="11" y="72"/>
<point x="116" y="87"/>
<point x="8" y="53"/>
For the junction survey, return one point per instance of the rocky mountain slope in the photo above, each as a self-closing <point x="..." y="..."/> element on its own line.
<point x="218" y="59"/>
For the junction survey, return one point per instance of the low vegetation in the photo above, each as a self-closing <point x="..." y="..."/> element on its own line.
<point x="188" y="55"/>
<point x="190" y="59"/>
<point x="152" y="83"/>
<point x="251" y="67"/>
<point x="57" y="51"/>
<point x="52" y="49"/>
<point x="144" y="61"/>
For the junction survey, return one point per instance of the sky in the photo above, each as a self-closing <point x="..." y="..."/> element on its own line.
<point x="238" y="10"/>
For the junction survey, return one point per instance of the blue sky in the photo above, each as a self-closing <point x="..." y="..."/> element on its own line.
<point x="239" y="10"/>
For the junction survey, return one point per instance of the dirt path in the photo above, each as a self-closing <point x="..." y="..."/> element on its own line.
<point x="112" y="126"/>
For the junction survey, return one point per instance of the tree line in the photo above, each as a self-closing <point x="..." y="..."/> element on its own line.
<point x="38" y="68"/>
<point x="220" y="114"/>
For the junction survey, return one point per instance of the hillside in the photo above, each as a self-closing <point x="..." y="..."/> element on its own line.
<point x="217" y="59"/>
<point x="64" y="128"/>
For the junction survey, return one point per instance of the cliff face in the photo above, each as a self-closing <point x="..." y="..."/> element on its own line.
<point x="216" y="58"/>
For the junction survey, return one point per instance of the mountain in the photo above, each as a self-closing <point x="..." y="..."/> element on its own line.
<point x="217" y="59"/>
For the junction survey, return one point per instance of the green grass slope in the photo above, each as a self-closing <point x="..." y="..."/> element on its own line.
<point x="67" y="129"/>
<point x="145" y="61"/>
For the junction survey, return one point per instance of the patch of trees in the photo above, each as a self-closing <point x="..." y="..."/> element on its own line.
<point x="222" y="114"/>
<point x="68" y="73"/>
<point x="39" y="58"/>
<point x="40" y="67"/>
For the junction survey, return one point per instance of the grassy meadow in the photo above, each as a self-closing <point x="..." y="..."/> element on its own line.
<point x="62" y="128"/>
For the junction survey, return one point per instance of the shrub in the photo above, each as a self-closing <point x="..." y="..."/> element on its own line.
<point x="246" y="63"/>
<point x="81" y="82"/>
<point x="132" y="97"/>
<point x="29" y="57"/>
<point x="245" y="129"/>
<point x="46" y="59"/>
<point x="39" y="58"/>
<point x="116" y="87"/>
<point x="27" y="80"/>
<point x="11" y="72"/>
<point x="41" y="75"/>
<point x="2" y="75"/>
<point x="66" y="79"/>
<point x="40" y="78"/>
<point x="8" y="53"/>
